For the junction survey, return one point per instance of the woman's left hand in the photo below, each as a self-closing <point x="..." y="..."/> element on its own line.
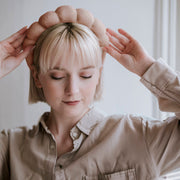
<point x="128" y="51"/>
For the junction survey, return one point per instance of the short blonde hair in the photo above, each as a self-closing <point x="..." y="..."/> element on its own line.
<point x="61" y="40"/>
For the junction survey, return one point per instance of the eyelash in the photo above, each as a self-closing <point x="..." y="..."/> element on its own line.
<point x="56" y="78"/>
<point x="84" y="77"/>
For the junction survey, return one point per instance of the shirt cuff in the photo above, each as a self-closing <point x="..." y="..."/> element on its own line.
<point x="158" y="75"/>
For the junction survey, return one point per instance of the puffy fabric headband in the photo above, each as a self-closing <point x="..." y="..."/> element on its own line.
<point x="64" y="14"/>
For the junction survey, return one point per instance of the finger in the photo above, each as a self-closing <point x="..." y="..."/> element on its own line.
<point x="112" y="47"/>
<point x="16" y="35"/>
<point x="124" y="33"/>
<point x="115" y="42"/>
<point x="115" y="49"/>
<point x="122" y="39"/>
<point x="24" y="53"/>
<point x="6" y="48"/>
<point x="18" y="50"/>
<point x="113" y="52"/>
<point x="18" y="42"/>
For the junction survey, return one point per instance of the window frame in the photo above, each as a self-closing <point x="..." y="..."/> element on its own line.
<point x="166" y="28"/>
<point x="166" y="45"/>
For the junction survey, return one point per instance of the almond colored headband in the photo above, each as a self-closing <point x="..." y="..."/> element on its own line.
<point x="64" y="14"/>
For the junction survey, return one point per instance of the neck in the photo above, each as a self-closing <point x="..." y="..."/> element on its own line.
<point x="60" y="124"/>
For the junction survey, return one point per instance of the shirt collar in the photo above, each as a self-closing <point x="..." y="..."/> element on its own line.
<point x="85" y="125"/>
<point x="90" y="120"/>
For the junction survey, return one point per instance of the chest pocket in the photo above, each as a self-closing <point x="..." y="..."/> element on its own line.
<point x="122" y="175"/>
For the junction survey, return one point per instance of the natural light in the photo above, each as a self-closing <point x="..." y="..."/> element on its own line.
<point x="167" y="46"/>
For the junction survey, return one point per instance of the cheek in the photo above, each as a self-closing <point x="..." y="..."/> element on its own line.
<point x="51" y="90"/>
<point x="90" y="89"/>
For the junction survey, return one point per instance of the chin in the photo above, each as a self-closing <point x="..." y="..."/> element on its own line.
<point x="75" y="112"/>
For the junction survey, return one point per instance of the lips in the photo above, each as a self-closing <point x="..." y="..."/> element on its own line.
<point x="71" y="103"/>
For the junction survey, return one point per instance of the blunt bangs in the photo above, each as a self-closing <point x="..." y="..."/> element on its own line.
<point x="72" y="42"/>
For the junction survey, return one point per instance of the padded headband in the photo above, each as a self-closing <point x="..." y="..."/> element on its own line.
<point x="65" y="14"/>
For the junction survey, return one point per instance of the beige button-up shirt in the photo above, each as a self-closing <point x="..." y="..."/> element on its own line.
<point x="118" y="147"/>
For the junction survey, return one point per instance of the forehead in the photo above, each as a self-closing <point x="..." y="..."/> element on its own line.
<point x="63" y="51"/>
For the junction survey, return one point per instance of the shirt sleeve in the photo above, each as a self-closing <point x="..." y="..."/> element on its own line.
<point x="163" y="137"/>
<point x="163" y="143"/>
<point x="4" y="159"/>
<point x="164" y="83"/>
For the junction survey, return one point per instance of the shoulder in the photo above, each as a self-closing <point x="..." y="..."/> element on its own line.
<point x="9" y="137"/>
<point x="134" y="124"/>
<point x="124" y="119"/>
<point x="23" y="131"/>
<point x="18" y="133"/>
<point x="121" y="124"/>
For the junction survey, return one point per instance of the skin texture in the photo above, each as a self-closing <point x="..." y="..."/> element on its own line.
<point x="12" y="53"/>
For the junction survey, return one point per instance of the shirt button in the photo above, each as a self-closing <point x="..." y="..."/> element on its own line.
<point x="52" y="147"/>
<point x="75" y="134"/>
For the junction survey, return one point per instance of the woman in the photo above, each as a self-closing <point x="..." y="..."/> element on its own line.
<point x="74" y="140"/>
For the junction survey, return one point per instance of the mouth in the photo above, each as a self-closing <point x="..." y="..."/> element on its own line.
<point x="71" y="103"/>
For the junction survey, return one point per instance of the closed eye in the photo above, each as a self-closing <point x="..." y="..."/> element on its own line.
<point x="56" y="78"/>
<point x="86" y="77"/>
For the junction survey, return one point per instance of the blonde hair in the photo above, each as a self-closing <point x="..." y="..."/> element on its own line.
<point x="63" y="40"/>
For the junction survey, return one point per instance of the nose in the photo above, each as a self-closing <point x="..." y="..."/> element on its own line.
<point x="72" y="86"/>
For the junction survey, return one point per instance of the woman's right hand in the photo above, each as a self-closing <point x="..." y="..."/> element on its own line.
<point x="12" y="53"/>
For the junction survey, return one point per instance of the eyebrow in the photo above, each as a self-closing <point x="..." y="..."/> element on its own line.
<point x="88" y="67"/>
<point x="62" y="69"/>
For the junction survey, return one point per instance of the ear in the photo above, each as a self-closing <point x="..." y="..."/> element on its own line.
<point x="35" y="77"/>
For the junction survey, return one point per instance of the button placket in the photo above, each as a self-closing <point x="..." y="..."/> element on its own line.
<point x="58" y="167"/>
<point x="52" y="146"/>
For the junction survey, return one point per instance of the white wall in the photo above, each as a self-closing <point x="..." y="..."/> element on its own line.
<point x="122" y="90"/>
